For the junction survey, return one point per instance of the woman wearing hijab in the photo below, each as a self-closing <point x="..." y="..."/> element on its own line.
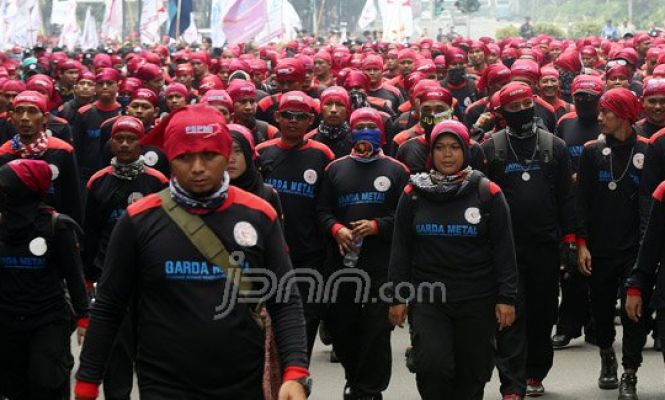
<point x="242" y="168"/>
<point x="453" y="262"/>
<point x="38" y="249"/>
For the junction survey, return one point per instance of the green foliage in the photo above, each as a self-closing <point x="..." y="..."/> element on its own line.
<point x="549" y="29"/>
<point x="585" y="28"/>
<point x="507" y="31"/>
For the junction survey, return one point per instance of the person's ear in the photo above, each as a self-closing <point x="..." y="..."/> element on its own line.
<point x="156" y="110"/>
<point x="45" y="120"/>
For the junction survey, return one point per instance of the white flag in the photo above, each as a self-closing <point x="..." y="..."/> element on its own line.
<point x="150" y="22"/>
<point x="397" y="17"/>
<point x="22" y="30"/>
<point x="218" y="10"/>
<point x="112" y="22"/>
<point x="368" y="14"/>
<point x="89" y="38"/>
<point x="191" y="35"/>
<point x="70" y="31"/>
<point x="36" y="23"/>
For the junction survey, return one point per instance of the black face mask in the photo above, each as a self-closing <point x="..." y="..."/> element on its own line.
<point x="519" y="121"/>
<point x="587" y="110"/>
<point x="456" y="75"/>
<point x="508" y="62"/>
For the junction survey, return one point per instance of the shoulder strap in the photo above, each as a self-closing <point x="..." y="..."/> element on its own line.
<point x="545" y="145"/>
<point x="203" y="238"/>
<point x="500" y="145"/>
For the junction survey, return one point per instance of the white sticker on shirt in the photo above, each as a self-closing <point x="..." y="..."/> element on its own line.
<point x="55" y="171"/>
<point x="245" y="234"/>
<point x="606" y="151"/>
<point x="472" y="215"/>
<point x="38" y="246"/>
<point x="134" y="197"/>
<point x="382" y="183"/>
<point x="310" y="176"/>
<point x="150" y="158"/>
<point x="638" y="160"/>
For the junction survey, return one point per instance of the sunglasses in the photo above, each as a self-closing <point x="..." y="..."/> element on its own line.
<point x="294" y="115"/>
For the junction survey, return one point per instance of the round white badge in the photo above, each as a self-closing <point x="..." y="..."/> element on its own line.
<point x="606" y="151"/>
<point x="55" y="171"/>
<point x="150" y="158"/>
<point x="245" y="234"/>
<point x="472" y="215"/>
<point x="310" y="176"/>
<point x="382" y="183"/>
<point x="134" y="197"/>
<point x="38" y="246"/>
<point x="638" y="160"/>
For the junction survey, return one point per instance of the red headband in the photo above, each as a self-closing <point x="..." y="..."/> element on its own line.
<point x="515" y="91"/>
<point x="336" y="93"/>
<point x="34" y="174"/>
<point x="218" y="97"/>
<point x="130" y="124"/>
<point x="295" y="101"/>
<point x="176" y="88"/>
<point x="240" y="89"/>
<point x="145" y="94"/>
<point x="587" y="84"/>
<point x="33" y="98"/>
<point x="622" y="102"/>
<point x="654" y="87"/>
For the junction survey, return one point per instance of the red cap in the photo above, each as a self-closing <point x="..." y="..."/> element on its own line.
<point x="289" y="69"/>
<point x="192" y="129"/>
<point x="31" y="97"/>
<point x="622" y="102"/>
<point x="240" y="89"/>
<point x="184" y="69"/>
<point x="107" y="74"/>
<point x="514" y="91"/>
<point x="365" y="114"/>
<point x="436" y="94"/>
<point x="356" y="79"/>
<point x="34" y="174"/>
<point x="176" y="87"/>
<point x="336" y="93"/>
<point x="149" y="72"/>
<point x="587" y="84"/>
<point x="218" y="97"/>
<point x="145" y="94"/>
<point x="654" y="87"/>
<point x="126" y="123"/>
<point x="525" y="68"/>
<point x="295" y="101"/>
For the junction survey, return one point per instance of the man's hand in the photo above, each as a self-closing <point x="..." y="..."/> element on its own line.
<point x="584" y="260"/>
<point x="292" y="390"/>
<point x="397" y="315"/>
<point x="344" y="238"/>
<point x="80" y="334"/>
<point x="505" y="315"/>
<point x="634" y="307"/>
<point x="484" y="121"/>
<point x="363" y="227"/>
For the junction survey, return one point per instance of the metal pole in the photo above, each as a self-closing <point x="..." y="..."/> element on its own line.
<point x="138" y="20"/>
<point x="177" y="21"/>
<point x="630" y="11"/>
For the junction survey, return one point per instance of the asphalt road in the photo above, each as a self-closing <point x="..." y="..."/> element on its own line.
<point x="573" y="376"/>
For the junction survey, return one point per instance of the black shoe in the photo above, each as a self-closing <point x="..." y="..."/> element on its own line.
<point x="590" y="338"/>
<point x="333" y="357"/>
<point x="324" y="335"/>
<point x="657" y="344"/>
<point x="561" y="340"/>
<point x="628" y="387"/>
<point x="608" y="370"/>
<point x="410" y="362"/>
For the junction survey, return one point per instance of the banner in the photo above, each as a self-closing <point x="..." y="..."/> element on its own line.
<point x="25" y="24"/>
<point x="89" y="38"/>
<point x="244" y="20"/>
<point x="218" y="11"/>
<point x="397" y="18"/>
<point x="112" y="21"/>
<point x="150" y="22"/>
<point x="368" y="15"/>
<point x="60" y="12"/>
<point x="186" y="9"/>
<point x="70" y="31"/>
<point x="191" y="35"/>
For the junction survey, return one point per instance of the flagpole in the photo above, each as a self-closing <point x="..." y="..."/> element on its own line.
<point x="177" y="21"/>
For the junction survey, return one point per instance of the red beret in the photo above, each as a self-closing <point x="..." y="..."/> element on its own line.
<point x="589" y="51"/>
<point x="210" y="82"/>
<point x="240" y="89"/>
<point x="192" y="129"/>
<point x="289" y="69"/>
<point x="569" y="61"/>
<point x="659" y="71"/>
<point x="406" y="54"/>
<point x="176" y="87"/>
<point x="422" y="85"/>
<point x="432" y="93"/>
<point x="40" y="82"/>
<point x="451" y="126"/>
<point x="237" y="64"/>
<point x="102" y="61"/>
<point x="323" y="55"/>
<point x="654" y="87"/>
<point x="455" y="55"/>
<point x="68" y="64"/>
<point x="587" y="84"/>
<point x="336" y="93"/>
<point x="200" y="56"/>
<point x="107" y="74"/>
<point x="618" y="70"/>
<point x="478" y="45"/>
<point x="33" y="98"/>
<point x="218" y="97"/>
<point x="145" y="94"/>
<point x="126" y="123"/>
<point x="373" y="61"/>
<point x="629" y="54"/>
<point x="440" y="62"/>
<point x="514" y="91"/>
<point x="356" y="79"/>
<point x="184" y="69"/>
<point x="549" y="71"/>
<point x="525" y="68"/>
<point x="34" y="174"/>
<point x="258" y="66"/>
<point x="493" y="74"/>
<point x="365" y="114"/>
<point x="149" y="72"/>
<point x="307" y="62"/>
<point x="622" y="102"/>
<point x="130" y="85"/>
<point x="295" y="101"/>
<point x="426" y="66"/>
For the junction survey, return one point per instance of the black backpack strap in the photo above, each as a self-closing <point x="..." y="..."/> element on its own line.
<point x="546" y="146"/>
<point x="484" y="193"/>
<point x="500" y="145"/>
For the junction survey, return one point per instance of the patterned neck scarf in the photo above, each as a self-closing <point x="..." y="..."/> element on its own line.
<point x="199" y="205"/>
<point x="35" y="149"/>
<point x="436" y="182"/>
<point x="334" y="132"/>
<point x="128" y="171"/>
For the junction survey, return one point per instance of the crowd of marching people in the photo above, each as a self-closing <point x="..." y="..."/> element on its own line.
<point x="517" y="184"/>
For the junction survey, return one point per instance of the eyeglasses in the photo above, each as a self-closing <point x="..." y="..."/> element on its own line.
<point x="291" y="115"/>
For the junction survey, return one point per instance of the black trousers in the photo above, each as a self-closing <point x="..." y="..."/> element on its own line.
<point x="315" y="311"/>
<point x="575" y="307"/>
<point x="524" y="350"/>
<point x="607" y="279"/>
<point x="453" y="348"/>
<point x="361" y="340"/>
<point x="119" y="374"/>
<point x="36" y="363"/>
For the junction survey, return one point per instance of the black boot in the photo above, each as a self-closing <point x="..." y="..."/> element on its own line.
<point x="628" y="387"/>
<point x="608" y="369"/>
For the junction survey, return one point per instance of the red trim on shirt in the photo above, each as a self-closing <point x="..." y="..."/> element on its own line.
<point x="335" y="228"/>
<point x="104" y="108"/>
<point x="86" y="389"/>
<point x="102" y="172"/>
<point x="144" y="204"/>
<point x="494" y="189"/>
<point x="569" y="238"/>
<point x="83" y="322"/>
<point x="632" y="291"/>
<point x="295" y="373"/>
<point x="156" y="174"/>
<point x="581" y="242"/>
<point x="54" y="143"/>
<point x="659" y="193"/>
<point x="245" y="199"/>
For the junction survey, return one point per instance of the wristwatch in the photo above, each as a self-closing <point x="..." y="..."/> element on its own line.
<point x="306" y="383"/>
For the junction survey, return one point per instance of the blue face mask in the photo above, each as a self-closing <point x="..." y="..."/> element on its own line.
<point x="124" y="101"/>
<point x="370" y="138"/>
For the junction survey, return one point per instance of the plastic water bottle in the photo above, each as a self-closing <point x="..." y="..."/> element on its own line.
<point x="351" y="258"/>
